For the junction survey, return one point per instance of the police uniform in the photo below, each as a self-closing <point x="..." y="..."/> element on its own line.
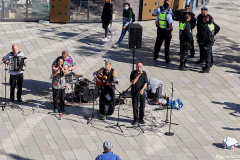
<point x="186" y="39"/>
<point x="193" y="24"/>
<point x="200" y="25"/>
<point x="163" y="33"/>
<point x="207" y="41"/>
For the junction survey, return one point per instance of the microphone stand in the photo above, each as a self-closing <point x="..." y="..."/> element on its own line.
<point x="171" y="133"/>
<point x="119" y="98"/>
<point x="92" y="87"/>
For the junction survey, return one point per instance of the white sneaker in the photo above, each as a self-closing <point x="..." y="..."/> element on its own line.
<point x="112" y="33"/>
<point x="115" y="46"/>
<point x="105" y="39"/>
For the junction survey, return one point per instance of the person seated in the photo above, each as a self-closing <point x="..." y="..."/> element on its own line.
<point x="107" y="88"/>
<point x="67" y="61"/>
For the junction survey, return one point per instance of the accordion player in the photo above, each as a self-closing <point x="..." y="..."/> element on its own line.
<point x="17" y="63"/>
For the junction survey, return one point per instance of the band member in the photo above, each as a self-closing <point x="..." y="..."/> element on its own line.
<point x="16" y="77"/>
<point x="107" y="95"/>
<point x="58" y="85"/>
<point x="67" y="60"/>
<point x="139" y="81"/>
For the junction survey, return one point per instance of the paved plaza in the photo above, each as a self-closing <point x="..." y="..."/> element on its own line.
<point x="211" y="101"/>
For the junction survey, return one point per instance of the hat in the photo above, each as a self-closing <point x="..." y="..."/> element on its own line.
<point x="107" y="145"/>
<point x="187" y="6"/>
<point x="204" y="9"/>
<point x="108" y="61"/>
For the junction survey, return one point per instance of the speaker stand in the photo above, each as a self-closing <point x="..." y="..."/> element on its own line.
<point x="133" y="59"/>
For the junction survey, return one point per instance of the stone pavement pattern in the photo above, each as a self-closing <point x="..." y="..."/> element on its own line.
<point x="211" y="101"/>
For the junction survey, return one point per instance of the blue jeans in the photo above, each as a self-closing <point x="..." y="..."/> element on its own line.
<point x="122" y="34"/>
<point x="193" y="5"/>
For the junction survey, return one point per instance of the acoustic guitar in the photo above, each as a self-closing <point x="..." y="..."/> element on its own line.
<point x="102" y="81"/>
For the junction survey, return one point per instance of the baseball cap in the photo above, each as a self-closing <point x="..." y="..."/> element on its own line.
<point x="108" y="61"/>
<point x="107" y="145"/>
<point x="204" y="9"/>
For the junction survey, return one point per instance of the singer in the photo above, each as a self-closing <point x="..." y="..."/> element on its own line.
<point x="58" y="85"/>
<point x="139" y="80"/>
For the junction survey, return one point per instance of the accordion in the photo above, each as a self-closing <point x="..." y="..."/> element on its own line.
<point x="17" y="63"/>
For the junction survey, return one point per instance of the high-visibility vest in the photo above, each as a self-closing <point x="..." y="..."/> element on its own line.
<point x="182" y="26"/>
<point x="162" y="20"/>
<point x="211" y="28"/>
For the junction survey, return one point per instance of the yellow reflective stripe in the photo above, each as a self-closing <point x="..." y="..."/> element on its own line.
<point x="211" y="27"/>
<point x="182" y="26"/>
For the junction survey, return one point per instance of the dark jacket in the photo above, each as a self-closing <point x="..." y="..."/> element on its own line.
<point x="200" y="23"/>
<point x="107" y="13"/>
<point x="193" y="19"/>
<point x="206" y="36"/>
<point x="186" y="34"/>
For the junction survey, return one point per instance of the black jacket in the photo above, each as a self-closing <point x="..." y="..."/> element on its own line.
<point x="186" y="34"/>
<point x="206" y="36"/>
<point x="200" y="23"/>
<point x="107" y="13"/>
<point x="193" y="19"/>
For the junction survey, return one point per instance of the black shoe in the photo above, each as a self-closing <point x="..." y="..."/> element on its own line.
<point x="203" y="68"/>
<point x="182" y="68"/>
<point x="192" y="56"/>
<point x="211" y="64"/>
<point x="20" y="100"/>
<point x="167" y="60"/>
<point x="134" y="122"/>
<point x="199" y="62"/>
<point x="142" y="122"/>
<point x="206" y="70"/>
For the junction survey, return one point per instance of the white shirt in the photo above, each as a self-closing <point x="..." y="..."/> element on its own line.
<point x="7" y="58"/>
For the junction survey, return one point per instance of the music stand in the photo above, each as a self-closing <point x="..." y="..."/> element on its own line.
<point x="92" y="86"/>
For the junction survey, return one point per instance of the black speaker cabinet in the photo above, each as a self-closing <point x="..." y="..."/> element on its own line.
<point x="135" y="36"/>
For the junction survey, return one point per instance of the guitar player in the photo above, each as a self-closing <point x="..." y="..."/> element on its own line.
<point x="107" y="88"/>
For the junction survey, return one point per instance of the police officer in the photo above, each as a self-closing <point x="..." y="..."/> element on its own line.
<point x="164" y="22"/>
<point x="200" y="25"/>
<point x="192" y="23"/>
<point x="207" y="41"/>
<point x="186" y="39"/>
<point x="158" y="9"/>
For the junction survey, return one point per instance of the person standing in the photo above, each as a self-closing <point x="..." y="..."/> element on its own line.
<point x="200" y="25"/>
<point x="107" y="154"/>
<point x="192" y="23"/>
<point x="139" y="81"/>
<point x="186" y="38"/>
<point x="164" y="22"/>
<point x="207" y="41"/>
<point x="107" y="18"/>
<point x="158" y="9"/>
<point x="16" y="77"/>
<point x="193" y="5"/>
<point x="128" y="18"/>
<point x="58" y="85"/>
